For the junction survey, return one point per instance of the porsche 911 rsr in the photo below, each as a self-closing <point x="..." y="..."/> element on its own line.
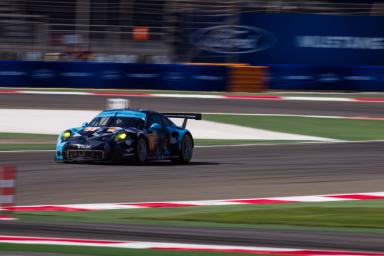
<point x="128" y="135"/>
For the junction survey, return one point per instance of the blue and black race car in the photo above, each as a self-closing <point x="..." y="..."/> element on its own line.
<point x="128" y="135"/>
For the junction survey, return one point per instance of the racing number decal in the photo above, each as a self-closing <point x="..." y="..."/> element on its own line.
<point x="152" y="141"/>
<point x="154" y="146"/>
<point x="90" y="129"/>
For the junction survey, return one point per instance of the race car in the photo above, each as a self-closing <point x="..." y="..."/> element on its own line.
<point x="128" y="135"/>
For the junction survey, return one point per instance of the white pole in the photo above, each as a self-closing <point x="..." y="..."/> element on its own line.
<point x="83" y="20"/>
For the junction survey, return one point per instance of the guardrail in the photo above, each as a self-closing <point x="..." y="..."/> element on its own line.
<point x="193" y="77"/>
<point x="113" y="75"/>
<point x="190" y="76"/>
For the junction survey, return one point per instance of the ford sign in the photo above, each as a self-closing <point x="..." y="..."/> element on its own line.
<point x="231" y="39"/>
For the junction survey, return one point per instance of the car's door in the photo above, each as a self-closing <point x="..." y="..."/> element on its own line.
<point x="156" y="135"/>
<point x="170" y="143"/>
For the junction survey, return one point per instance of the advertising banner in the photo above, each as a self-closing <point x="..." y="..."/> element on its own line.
<point x="113" y="75"/>
<point x="304" y="51"/>
<point x="267" y="39"/>
<point x="311" y="77"/>
<point x="316" y="39"/>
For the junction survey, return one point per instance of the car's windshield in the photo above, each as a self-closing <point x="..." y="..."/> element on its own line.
<point x="100" y="121"/>
<point x="125" y="122"/>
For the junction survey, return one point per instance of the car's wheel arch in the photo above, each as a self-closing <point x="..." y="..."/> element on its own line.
<point x="185" y="133"/>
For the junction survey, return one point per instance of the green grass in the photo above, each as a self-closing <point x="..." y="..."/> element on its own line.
<point x="26" y="141"/>
<point x="360" y="215"/>
<point x="12" y="147"/>
<point x="39" y="142"/>
<point x="211" y="142"/>
<point x="343" y="129"/>
<point x="38" y="146"/>
<point x="100" y="251"/>
<point x="31" y="136"/>
<point x="305" y="216"/>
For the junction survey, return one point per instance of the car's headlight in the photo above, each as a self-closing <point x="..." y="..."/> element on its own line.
<point x="121" y="136"/>
<point x="66" y="135"/>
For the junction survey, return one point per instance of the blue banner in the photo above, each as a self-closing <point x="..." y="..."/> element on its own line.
<point x="304" y="51"/>
<point x="310" y="77"/>
<point x="266" y="39"/>
<point x="113" y="75"/>
<point x="316" y="39"/>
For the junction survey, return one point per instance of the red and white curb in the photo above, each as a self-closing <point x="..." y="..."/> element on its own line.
<point x="199" y="96"/>
<point x="7" y="218"/>
<point x="176" y="246"/>
<point x="7" y="189"/>
<point x="174" y="204"/>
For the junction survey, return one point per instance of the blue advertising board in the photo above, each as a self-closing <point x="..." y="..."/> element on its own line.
<point x="312" y="77"/>
<point x="317" y="39"/>
<point x="267" y="39"/>
<point x="113" y="75"/>
<point x="304" y="51"/>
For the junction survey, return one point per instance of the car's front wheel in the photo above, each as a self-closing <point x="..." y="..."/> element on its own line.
<point x="141" y="150"/>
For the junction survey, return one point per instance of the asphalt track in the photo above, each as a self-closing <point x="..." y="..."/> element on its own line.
<point x="215" y="173"/>
<point x="75" y="102"/>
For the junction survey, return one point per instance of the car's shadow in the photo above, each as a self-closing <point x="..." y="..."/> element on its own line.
<point x="153" y="163"/>
<point x="131" y="163"/>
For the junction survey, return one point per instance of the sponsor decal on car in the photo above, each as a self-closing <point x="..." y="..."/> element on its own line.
<point x="90" y="129"/>
<point x="81" y="146"/>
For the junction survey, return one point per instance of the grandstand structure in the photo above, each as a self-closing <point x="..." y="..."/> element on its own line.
<point x="135" y="30"/>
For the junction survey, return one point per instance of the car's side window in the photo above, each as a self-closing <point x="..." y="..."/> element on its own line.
<point x="166" y="121"/>
<point x="154" y="119"/>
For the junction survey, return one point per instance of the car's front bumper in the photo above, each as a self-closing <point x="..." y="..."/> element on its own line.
<point x="85" y="155"/>
<point x="74" y="152"/>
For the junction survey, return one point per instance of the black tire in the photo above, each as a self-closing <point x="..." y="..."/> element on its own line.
<point x="186" y="150"/>
<point x="141" y="150"/>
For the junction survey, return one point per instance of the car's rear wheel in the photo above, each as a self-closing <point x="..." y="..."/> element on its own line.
<point x="186" y="150"/>
<point x="141" y="150"/>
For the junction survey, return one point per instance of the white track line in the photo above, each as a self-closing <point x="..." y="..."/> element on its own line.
<point x="55" y="93"/>
<point x="302" y="98"/>
<point x="198" y="96"/>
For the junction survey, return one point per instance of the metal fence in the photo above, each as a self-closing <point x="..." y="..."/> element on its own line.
<point x="132" y="30"/>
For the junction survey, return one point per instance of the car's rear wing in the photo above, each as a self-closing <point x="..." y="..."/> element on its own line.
<point x="186" y="116"/>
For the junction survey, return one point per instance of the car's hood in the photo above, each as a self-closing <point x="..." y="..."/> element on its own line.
<point x="96" y="133"/>
<point x="103" y="131"/>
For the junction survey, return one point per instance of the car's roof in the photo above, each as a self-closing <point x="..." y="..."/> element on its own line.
<point x="138" y="113"/>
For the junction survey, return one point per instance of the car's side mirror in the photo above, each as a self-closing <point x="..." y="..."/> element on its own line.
<point x="155" y="126"/>
<point x="85" y="125"/>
